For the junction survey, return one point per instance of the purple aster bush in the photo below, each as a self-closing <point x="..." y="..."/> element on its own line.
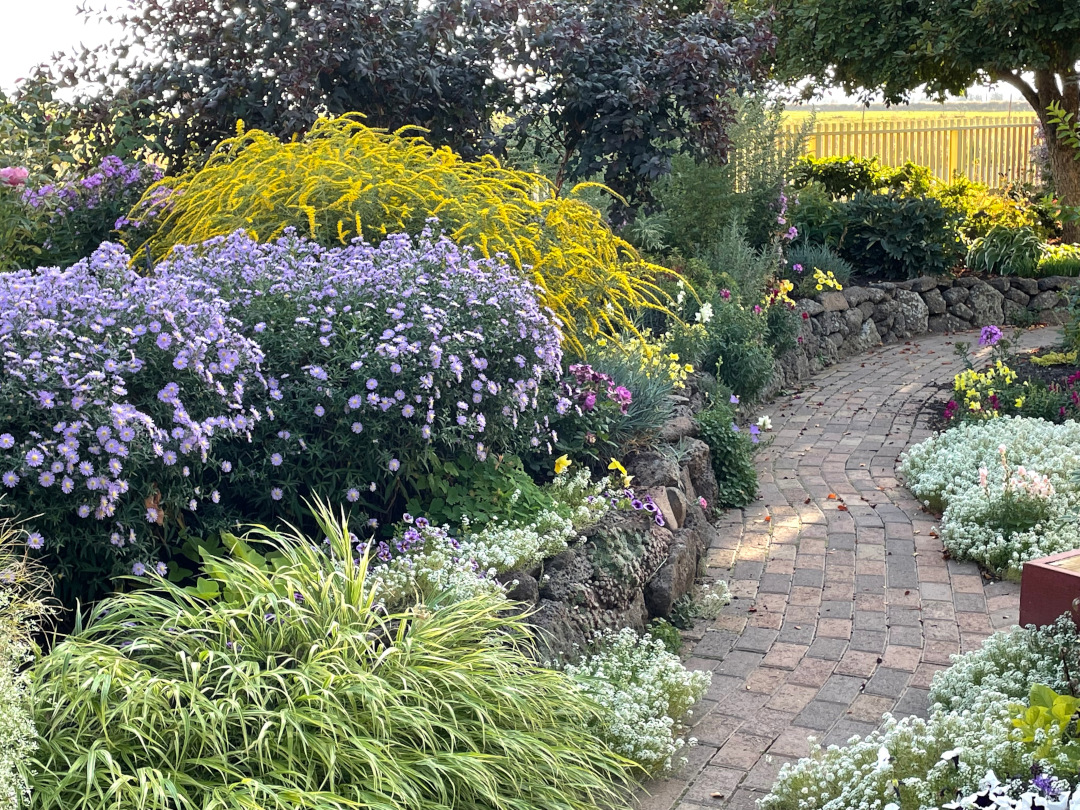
<point x="79" y="214"/>
<point x="238" y="377"/>
<point x="381" y="360"/>
<point x="114" y="388"/>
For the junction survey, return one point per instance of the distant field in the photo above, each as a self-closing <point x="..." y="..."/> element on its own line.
<point x="1019" y="114"/>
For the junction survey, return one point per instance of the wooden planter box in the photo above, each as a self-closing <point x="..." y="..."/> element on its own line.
<point x="1048" y="587"/>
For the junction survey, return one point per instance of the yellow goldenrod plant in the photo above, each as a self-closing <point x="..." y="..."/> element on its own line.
<point x="344" y="180"/>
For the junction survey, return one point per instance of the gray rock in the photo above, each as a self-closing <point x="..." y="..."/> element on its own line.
<point x="675" y="577"/>
<point x="885" y="314"/>
<point x="1015" y="313"/>
<point x="833" y="301"/>
<point x="877" y="294"/>
<point x="856" y="295"/>
<point x="678" y="428"/>
<point x="922" y="284"/>
<point x="652" y="469"/>
<point x="1017" y="297"/>
<point x="830" y="322"/>
<point x="867" y="309"/>
<point x="955" y="295"/>
<point x="810" y="306"/>
<point x="946" y="323"/>
<point x="935" y="304"/>
<point x="967" y="281"/>
<point x="527" y="589"/>
<point x="1046" y="300"/>
<point x="566" y="575"/>
<point x="698" y="463"/>
<point x="985" y="303"/>
<point x="999" y="283"/>
<point x="1054" y="283"/>
<point x="912" y="317"/>
<point x="680" y="504"/>
<point x="837" y="340"/>
<point x="557" y="631"/>
<point x="663" y="503"/>
<point x="1029" y="286"/>
<point x="961" y="311"/>
<point x="864" y="339"/>
<point x="853" y="319"/>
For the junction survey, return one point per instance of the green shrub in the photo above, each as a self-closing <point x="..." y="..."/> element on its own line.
<point x="811" y="256"/>
<point x="298" y="689"/>
<point x="847" y="175"/>
<point x="900" y="237"/>
<point x="730" y="254"/>
<point x="736" y="348"/>
<point x="732" y="455"/>
<point x="22" y="584"/>
<point x="1005" y="252"/>
<point x="1059" y="260"/>
<point x="818" y="218"/>
<point x="700" y="201"/>
<point x="978" y="209"/>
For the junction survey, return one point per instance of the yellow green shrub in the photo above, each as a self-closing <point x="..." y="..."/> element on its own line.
<point x="344" y="180"/>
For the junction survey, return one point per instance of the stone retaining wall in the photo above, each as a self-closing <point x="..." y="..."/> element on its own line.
<point x="840" y="324"/>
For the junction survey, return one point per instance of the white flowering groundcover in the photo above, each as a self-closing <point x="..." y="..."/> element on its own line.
<point x="950" y="760"/>
<point x="944" y="473"/>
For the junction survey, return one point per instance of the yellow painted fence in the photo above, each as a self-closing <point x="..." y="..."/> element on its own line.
<point x="987" y="150"/>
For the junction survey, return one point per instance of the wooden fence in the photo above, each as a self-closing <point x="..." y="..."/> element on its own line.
<point x="987" y="150"/>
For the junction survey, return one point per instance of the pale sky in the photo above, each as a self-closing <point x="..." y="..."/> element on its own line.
<point x="35" y="29"/>
<point x="38" y="28"/>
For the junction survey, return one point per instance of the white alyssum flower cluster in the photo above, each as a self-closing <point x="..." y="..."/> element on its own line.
<point x="646" y="694"/>
<point x="956" y="472"/>
<point x="469" y="565"/>
<point x="1007" y="664"/>
<point x="16" y="726"/>
<point x="913" y="763"/>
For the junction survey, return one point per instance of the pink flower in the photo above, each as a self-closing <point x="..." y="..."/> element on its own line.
<point x="14" y="176"/>
<point x="704" y="504"/>
<point x="725" y="294"/>
<point x="590" y="401"/>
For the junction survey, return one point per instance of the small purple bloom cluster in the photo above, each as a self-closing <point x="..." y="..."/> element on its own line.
<point x="989" y="335"/>
<point x="111" y="180"/>
<point x="587" y="383"/>
<point x="628" y="499"/>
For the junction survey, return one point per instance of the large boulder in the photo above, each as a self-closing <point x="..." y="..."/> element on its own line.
<point x="939" y="324"/>
<point x="653" y="469"/>
<point x="935" y="304"/>
<point x="862" y="340"/>
<point x="833" y="301"/>
<point x="911" y="320"/>
<point x="1046" y="300"/>
<point x="955" y="295"/>
<point x="986" y="305"/>
<point x="698" y="462"/>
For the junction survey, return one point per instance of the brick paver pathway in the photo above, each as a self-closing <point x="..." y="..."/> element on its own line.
<point x="845" y="607"/>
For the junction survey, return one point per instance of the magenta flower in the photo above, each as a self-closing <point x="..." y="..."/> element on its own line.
<point x="13" y="176"/>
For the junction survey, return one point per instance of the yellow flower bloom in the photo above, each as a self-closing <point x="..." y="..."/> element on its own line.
<point x="562" y="463"/>
<point x="615" y="465"/>
<point x="1019" y="402"/>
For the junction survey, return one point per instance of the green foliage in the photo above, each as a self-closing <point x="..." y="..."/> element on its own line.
<point x="731" y="259"/>
<point x="667" y="634"/>
<point x="781" y="328"/>
<point x="1065" y="126"/>
<point x="299" y="690"/>
<point x="844" y="176"/>
<point x="1005" y="252"/>
<point x="1047" y="725"/>
<point x="1059" y="260"/>
<point x="22" y="586"/>
<point x="812" y="256"/>
<point x="652" y="405"/>
<point x="978" y="209"/>
<point x="701" y="201"/>
<point x="620" y="86"/>
<point x="900" y="237"/>
<point x="732" y="455"/>
<point x="481" y="491"/>
<point x="818" y="217"/>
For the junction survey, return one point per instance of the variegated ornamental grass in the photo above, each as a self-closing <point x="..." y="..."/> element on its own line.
<point x="343" y="180"/>
<point x="297" y="689"/>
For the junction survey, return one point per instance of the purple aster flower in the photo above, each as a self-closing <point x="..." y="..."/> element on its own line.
<point x="226" y="466"/>
<point x="408" y="411"/>
<point x="320" y="410"/>
<point x="353" y="495"/>
<point x="734" y="400"/>
<point x="7" y="441"/>
<point x="35" y="457"/>
<point x="47" y="478"/>
<point x="276" y="459"/>
<point x="35" y="541"/>
<point x="138" y="569"/>
<point x="355" y="401"/>
<point x="215" y="496"/>
<point x="372" y="384"/>
<point x="276" y="493"/>
<point x="161" y="568"/>
<point x="164" y="341"/>
<point x="394" y="465"/>
<point x="357" y="427"/>
<point x="10" y="479"/>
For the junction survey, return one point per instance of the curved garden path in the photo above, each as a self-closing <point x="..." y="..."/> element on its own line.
<point x="845" y="607"/>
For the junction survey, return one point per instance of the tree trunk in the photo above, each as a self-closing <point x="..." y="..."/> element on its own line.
<point x="1065" y="169"/>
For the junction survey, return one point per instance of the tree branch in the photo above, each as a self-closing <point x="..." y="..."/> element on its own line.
<point x="1026" y="90"/>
